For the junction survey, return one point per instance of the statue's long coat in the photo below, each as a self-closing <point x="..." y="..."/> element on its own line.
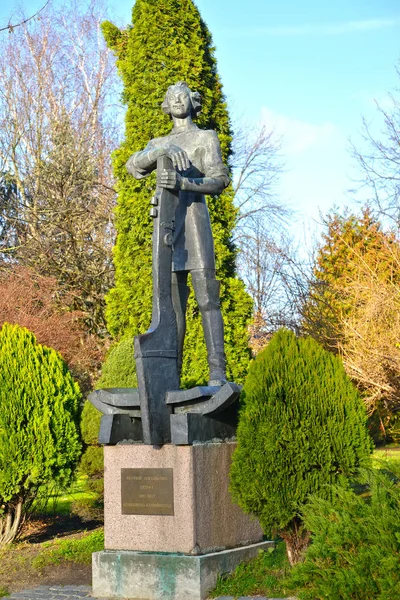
<point x="193" y="243"/>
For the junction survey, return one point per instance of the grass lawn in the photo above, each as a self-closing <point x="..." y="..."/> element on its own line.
<point x="77" y="550"/>
<point x="391" y="453"/>
<point x="53" y="501"/>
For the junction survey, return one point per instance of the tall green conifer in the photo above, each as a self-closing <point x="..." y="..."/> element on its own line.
<point x="169" y="42"/>
<point x="39" y="423"/>
<point x="302" y="427"/>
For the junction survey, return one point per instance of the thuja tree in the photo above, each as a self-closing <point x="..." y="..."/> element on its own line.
<point x="356" y="540"/>
<point x="303" y="426"/>
<point x="169" y="42"/>
<point x="91" y="464"/>
<point x="39" y="423"/>
<point x="117" y="370"/>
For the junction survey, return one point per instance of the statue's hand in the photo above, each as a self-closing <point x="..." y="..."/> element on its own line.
<point x="179" y="158"/>
<point x="170" y="179"/>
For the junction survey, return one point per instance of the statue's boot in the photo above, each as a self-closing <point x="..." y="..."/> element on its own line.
<point x="207" y="296"/>
<point x="180" y="295"/>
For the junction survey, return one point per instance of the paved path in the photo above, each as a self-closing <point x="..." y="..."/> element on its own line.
<point x="70" y="592"/>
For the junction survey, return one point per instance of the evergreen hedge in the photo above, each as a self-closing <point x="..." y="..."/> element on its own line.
<point x="302" y="426"/>
<point x="355" y="547"/>
<point x="118" y="371"/>
<point x="168" y="42"/>
<point x="92" y="462"/>
<point x="119" y="367"/>
<point x="39" y="423"/>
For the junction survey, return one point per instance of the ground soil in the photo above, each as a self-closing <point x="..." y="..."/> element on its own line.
<point x="16" y="571"/>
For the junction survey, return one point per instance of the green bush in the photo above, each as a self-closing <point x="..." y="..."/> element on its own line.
<point x="39" y="423"/>
<point x="119" y="367"/>
<point x="303" y="425"/>
<point x="91" y="462"/>
<point x="89" y="509"/>
<point x="91" y="465"/>
<point x="90" y="423"/>
<point x="355" y="547"/>
<point x="118" y="371"/>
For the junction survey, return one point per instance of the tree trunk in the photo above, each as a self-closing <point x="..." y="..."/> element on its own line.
<point x="11" y="522"/>
<point x="297" y="540"/>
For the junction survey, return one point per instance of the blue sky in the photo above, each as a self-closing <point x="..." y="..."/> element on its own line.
<point x="310" y="69"/>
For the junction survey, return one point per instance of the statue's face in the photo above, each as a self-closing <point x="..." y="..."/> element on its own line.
<point x="179" y="103"/>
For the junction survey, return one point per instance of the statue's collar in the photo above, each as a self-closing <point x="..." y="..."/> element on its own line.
<point x="178" y="130"/>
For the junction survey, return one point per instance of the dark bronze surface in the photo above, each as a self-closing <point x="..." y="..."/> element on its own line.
<point x="189" y="166"/>
<point x="147" y="492"/>
<point x="156" y="351"/>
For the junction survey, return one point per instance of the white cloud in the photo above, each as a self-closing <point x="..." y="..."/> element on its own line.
<point x="371" y="100"/>
<point x="319" y="29"/>
<point x="317" y="163"/>
<point x="299" y="136"/>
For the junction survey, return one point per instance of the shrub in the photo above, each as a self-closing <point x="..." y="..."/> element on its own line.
<point x="39" y="423"/>
<point x="355" y="543"/>
<point x="38" y="309"/>
<point x="90" y="424"/>
<point x="118" y="371"/>
<point x="91" y="465"/>
<point x="303" y="425"/>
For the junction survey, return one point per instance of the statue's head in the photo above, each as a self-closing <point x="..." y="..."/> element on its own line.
<point x="181" y="102"/>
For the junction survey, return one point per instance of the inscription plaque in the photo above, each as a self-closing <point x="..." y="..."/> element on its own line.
<point x="147" y="492"/>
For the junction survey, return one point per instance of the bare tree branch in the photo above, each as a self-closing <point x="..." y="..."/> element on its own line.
<point x="11" y="26"/>
<point x="257" y="165"/>
<point x="380" y="164"/>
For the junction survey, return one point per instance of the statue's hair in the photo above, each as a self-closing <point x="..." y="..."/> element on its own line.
<point x="195" y="98"/>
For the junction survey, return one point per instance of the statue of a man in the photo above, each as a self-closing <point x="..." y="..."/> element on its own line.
<point x="198" y="170"/>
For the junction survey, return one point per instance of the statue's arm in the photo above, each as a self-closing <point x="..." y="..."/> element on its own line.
<point x="142" y="163"/>
<point x="203" y="185"/>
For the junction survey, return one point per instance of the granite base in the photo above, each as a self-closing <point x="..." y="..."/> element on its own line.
<point x="204" y="517"/>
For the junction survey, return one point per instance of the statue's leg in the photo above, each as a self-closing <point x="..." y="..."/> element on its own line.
<point x="206" y="289"/>
<point x="180" y="294"/>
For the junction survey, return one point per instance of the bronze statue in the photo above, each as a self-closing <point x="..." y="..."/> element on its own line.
<point x="198" y="170"/>
<point x="189" y="165"/>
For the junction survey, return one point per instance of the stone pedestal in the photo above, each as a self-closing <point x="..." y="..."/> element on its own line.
<point x="152" y="576"/>
<point x="177" y="555"/>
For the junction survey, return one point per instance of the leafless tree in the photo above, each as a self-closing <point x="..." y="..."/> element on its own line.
<point x="274" y="279"/>
<point x="265" y="252"/>
<point x="380" y="160"/>
<point x="352" y="306"/>
<point x="369" y="344"/>
<point x="257" y="166"/>
<point x="57" y="131"/>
